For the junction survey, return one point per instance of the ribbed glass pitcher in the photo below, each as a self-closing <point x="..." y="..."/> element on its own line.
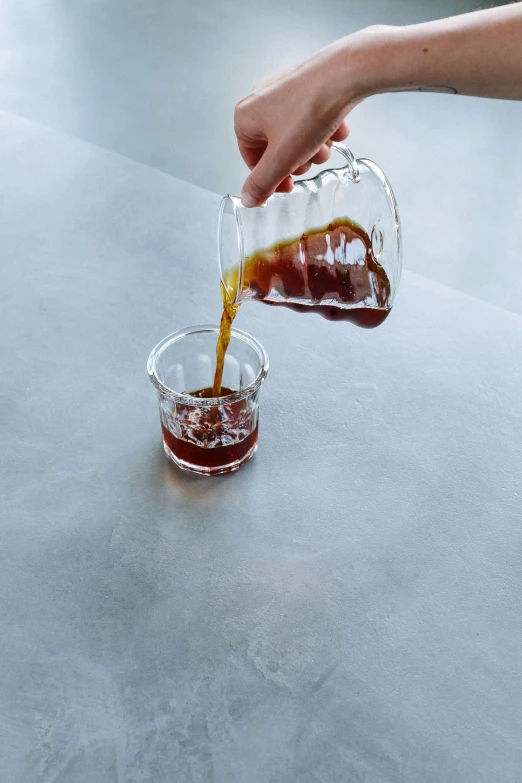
<point x="331" y="246"/>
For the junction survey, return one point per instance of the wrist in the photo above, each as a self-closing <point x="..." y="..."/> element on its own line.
<point x="365" y="63"/>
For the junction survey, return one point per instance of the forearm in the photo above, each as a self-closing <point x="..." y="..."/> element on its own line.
<point x="288" y="121"/>
<point x="473" y="54"/>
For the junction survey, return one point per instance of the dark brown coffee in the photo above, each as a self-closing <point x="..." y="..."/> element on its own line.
<point x="332" y="269"/>
<point x="212" y="437"/>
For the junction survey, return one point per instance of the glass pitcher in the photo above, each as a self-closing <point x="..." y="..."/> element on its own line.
<point x="331" y="246"/>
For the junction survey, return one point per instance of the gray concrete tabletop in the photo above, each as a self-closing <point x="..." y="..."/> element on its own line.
<point x="346" y="608"/>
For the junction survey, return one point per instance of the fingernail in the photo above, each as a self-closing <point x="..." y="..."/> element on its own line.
<point x="247" y="200"/>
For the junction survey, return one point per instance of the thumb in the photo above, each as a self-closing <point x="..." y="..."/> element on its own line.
<point x="265" y="177"/>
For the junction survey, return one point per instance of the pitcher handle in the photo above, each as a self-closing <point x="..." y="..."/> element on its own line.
<point x="353" y="168"/>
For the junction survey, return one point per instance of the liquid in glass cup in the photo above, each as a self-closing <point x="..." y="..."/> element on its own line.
<point x="205" y="434"/>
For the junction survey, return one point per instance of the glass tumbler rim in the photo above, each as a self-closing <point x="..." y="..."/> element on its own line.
<point x="200" y="402"/>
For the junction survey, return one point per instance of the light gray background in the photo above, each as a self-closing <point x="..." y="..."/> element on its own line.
<point x="157" y="80"/>
<point x="345" y="608"/>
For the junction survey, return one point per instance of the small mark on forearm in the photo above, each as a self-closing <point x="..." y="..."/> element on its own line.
<point x="427" y="88"/>
<point x="438" y="88"/>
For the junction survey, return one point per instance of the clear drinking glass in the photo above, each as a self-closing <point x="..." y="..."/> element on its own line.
<point x="208" y="435"/>
<point x="358" y="191"/>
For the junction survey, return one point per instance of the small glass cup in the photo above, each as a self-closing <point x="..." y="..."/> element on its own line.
<point x="208" y="435"/>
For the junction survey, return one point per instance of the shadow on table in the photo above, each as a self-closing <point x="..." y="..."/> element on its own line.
<point x="199" y="490"/>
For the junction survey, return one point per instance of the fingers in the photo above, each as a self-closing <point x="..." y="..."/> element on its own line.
<point x="286" y="186"/>
<point x="341" y="133"/>
<point x="320" y="157"/>
<point x="267" y="175"/>
<point x="322" y="154"/>
<point x="302" y="170"/>
<point x="269" y="172"/>
<point x="251" y="152"/>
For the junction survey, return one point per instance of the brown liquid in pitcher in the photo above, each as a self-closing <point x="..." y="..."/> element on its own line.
<point x="329" y="270"/>
<point x="332" y="269"/>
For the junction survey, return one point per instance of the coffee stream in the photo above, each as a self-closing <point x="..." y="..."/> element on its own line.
<point x="329" y="270"/>
<point x="225" y="328"/>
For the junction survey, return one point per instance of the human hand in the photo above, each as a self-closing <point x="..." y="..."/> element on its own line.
<point x="288" y="122"/>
